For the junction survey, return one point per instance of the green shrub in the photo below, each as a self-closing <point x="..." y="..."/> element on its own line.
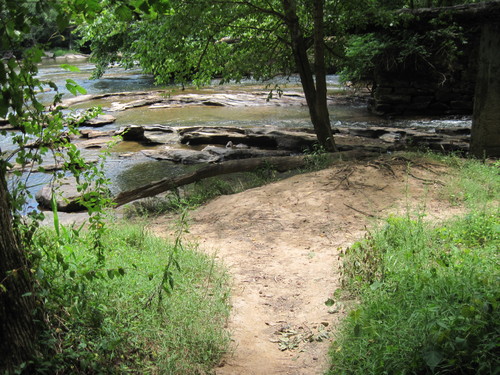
<point x="132" y="313"/>
<point x="430" y="303"/>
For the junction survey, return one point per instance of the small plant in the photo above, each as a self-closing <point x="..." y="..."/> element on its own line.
<point x="316" y="157"/>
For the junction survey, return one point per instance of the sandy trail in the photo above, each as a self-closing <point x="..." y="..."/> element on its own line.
<point x="281" y="244"/>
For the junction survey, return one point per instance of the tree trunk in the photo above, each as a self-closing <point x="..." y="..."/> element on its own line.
<point x="17" y="304"/>
<point x="315" y="93"/>
<point x="323" y="127"/>
<point x="279" y="163"/>
<point x="485" y="134"/>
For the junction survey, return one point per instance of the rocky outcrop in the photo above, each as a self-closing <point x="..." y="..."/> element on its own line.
<point x="150" y="134"/>
<point x="456" y="139"/>
<point x="183" y="156"/>
<point x="222" y="144"/>
<point x="267" y="138"/>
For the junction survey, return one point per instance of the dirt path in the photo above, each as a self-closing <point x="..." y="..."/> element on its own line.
<point x="281" y="244"/>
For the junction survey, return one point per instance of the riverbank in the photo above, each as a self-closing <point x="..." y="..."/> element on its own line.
<point x="282" y="242"/>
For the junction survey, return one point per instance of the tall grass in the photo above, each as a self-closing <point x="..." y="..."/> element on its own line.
<point x="118" y="317"/>
<point x="429" y="293"/>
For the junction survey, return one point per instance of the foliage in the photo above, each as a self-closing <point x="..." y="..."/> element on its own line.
<point x="200" y="40"/>
<point x="429" y="294"/>
<point x="434" y="49"/>
<point x="428" y="52"/>
<point x="110" y="318"/>
<point x="42" y="131"/>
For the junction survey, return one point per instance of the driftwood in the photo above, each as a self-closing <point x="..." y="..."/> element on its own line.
<point x="279" y="163"/>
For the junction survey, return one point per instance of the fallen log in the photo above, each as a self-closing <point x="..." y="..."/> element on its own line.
<point x="279" y="163"/>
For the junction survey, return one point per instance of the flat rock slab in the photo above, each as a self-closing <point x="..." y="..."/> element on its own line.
<point x="211" y="154"/>
<point x="162" y="99"/>
<point x="150" y="134"/>
<point x="91" y="133"/>
<point x="94" y="142"/>
<point x="267" y="138"/>
<point x="100" y="120"/>
<point x="182" y="156"/>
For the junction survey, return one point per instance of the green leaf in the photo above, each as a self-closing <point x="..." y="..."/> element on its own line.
<point x="53" y="206"/>
<point x="432" y="358"/>
<point x="74" y="87"/>
<point x="81" y="90"/>
<point x="376" y="285"/>
<point x="62" y="21"/>
<point x="123" y="13"/>
<point x="71" y="88"/>
<point x="329" y="302"/>
<point x="357" y="330"/>
<point x="70" y="68"/>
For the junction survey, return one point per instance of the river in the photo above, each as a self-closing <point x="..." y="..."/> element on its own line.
<point x="125" y="173"/>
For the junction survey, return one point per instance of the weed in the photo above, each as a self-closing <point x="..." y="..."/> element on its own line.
<point x="429" y="294"/>
<point x="316" y="158"/>
<point x="429" y="304"/>
<point x="99" y="317"/>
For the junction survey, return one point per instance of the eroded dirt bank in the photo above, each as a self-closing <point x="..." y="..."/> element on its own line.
<point x="281" y="244"/>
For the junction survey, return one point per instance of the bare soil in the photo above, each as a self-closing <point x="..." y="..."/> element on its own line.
<point x="281" y="244"/>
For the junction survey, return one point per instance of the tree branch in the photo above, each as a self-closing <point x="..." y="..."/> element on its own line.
<point x="279" y="163"/>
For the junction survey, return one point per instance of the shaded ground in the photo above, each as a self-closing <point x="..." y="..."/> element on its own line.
<point x="281" y="244"/>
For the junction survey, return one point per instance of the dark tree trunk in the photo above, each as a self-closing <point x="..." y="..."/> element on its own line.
<point x="17" y="304"/>
<point x="315" y="93"/>
<point x="485" y="134"/>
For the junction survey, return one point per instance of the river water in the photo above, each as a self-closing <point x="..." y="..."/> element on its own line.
<point x="125" y="173"/>
<point x="119" y="80"/>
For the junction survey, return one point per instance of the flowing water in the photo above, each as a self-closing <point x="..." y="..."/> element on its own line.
<point x="125" y="172"/>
